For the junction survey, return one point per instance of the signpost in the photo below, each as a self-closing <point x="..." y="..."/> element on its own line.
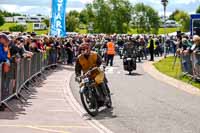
<point x="195" y="24"/>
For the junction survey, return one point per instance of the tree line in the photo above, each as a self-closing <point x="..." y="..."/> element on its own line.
<point x="116" y="16"/>
<point x="120" y="16"/>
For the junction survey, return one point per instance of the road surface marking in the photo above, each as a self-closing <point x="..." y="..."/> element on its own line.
<point x="49" y="130"/>
<point x="46" y="126"/>
<point x="60" y="111"/>
<point x="52" y="99"/>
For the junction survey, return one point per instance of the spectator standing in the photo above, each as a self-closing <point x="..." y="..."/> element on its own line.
<point x="110" y="52"/>
<point x="151" y="48"/>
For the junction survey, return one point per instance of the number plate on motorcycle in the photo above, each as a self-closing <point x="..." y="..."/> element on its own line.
<point x="128" y="59"/>
<point x="85" y="80"/>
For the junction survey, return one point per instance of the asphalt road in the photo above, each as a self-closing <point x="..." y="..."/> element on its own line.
<point x="145" y="105"/>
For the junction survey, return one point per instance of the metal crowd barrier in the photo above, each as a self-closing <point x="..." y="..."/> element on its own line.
<point x="21" y="73"/>
<point x="63" y="56"/>
<point x="196" y="65"/>
<point x="186" y="64"/>
<point x="190" y="65"/>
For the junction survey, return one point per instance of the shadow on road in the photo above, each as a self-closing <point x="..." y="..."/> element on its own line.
<point x="106" y="114"/>
<point x="103" y="114"/>
<point x="69" y="68"/>
<point x="134" y="74"/>
<point x="19" y="106"/>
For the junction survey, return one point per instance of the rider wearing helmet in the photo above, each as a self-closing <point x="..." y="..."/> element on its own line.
<point x="87" y="60"/>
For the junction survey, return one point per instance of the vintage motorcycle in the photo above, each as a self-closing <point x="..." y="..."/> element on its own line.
<point x="90" y="95"/>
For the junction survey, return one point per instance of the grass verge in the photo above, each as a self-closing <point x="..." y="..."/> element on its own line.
<point x="165" y="66"/>
<point x="6" y="26"/>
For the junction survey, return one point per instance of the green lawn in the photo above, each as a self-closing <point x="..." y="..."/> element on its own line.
<point x="165" y="66"/>
<point x="168" y="30"/>
<point x="161" y="30"/>
<point x="6" y="26"/>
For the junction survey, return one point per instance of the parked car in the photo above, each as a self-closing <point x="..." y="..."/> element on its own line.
<point x="39" y="26"/>
<point x="171" y="23"/>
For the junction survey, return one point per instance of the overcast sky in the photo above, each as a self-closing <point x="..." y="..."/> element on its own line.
<point x="44" y="6"/>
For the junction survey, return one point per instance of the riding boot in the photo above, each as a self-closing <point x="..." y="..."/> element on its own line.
<point x="102" y="86"/>
<point x="100" y="93"/>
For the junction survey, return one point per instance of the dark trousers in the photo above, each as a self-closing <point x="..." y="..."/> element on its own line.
<point x="151" y="55"/>
<point x="110" y="59"/>
<point x="70" y="58"/>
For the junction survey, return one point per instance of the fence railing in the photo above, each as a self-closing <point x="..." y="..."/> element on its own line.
<point x="190" y="65"/>
<point x="27" y="70"/>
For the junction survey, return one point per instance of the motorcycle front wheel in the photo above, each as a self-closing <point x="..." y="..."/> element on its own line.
<point x="90" y="103"/>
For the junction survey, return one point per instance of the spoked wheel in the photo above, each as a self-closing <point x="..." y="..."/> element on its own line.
<point x="89" y="102"/>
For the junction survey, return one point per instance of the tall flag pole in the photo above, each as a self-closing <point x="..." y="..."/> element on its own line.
<point x="58" y="15"/>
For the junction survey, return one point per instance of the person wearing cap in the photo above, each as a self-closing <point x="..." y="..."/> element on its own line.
<point x="4" y="42"/>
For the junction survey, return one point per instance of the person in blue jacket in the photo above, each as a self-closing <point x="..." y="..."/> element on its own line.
<point x="4" y="41"/>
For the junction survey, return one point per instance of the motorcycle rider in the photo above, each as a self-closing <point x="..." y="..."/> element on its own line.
<point x="87" y="60"/>
<point x="129" y="51"/>
<point x="129" y="47"/>
<point x="120" y="44"/>
<point x="142" y="44"/>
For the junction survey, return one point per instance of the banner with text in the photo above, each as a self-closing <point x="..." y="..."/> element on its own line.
<point x="58" y="18"/>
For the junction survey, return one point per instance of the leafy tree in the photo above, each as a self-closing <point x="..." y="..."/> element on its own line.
<point x="109" y="16"/>
<point x="72" y="21"/>
<point x="74" y="13"/>
<point x="90" y="12"/>
<point x="46" y="21"/>
<point x="2" y="21"/>
<point x="121" y="14"/>
<point x="102" y="13"/>
<point x="8" y="14"/>
<point x="83" y="17"/>
<point x="198" y="9"/>
<point x="183" y="18"/>
<point x="146" y="18"/>
<point x="172" y="16"/>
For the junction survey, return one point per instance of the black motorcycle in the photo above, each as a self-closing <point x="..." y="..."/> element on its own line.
<point x="89" y="94"/>
<point x="129" y="62"/>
